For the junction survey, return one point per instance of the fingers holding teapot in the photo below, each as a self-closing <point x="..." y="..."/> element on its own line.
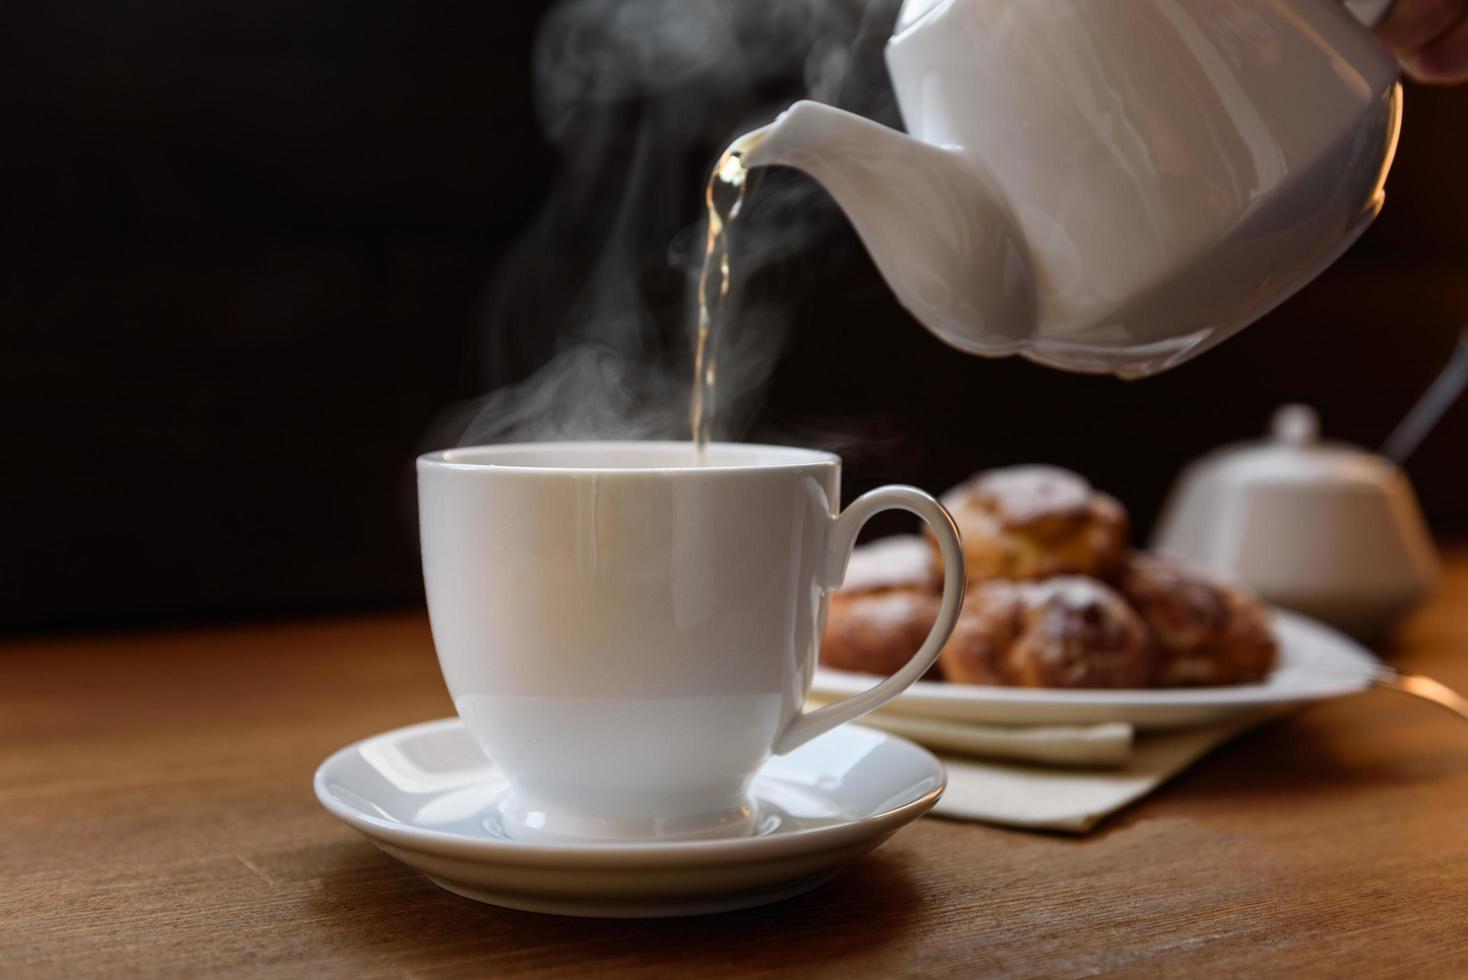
<point x="1430" y="37"/>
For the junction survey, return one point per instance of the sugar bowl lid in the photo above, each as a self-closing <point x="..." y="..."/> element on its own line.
<point x="1295" y="453"/>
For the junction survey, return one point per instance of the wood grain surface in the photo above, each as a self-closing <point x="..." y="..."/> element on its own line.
<point x="156" y="819"/>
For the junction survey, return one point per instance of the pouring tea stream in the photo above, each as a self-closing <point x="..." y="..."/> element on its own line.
<point x="1099" y="187"/>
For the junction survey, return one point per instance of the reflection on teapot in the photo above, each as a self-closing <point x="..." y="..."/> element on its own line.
<point x="1107" y="187"/>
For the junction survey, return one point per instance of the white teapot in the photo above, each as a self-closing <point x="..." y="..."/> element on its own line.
<point x="1108" y="185"/>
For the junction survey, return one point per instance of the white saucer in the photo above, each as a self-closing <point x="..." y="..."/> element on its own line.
<point x="426" y="794"/>
<point x="1315" y="663"/>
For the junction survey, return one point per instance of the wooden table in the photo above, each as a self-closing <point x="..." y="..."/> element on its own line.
<point x="156" y="819"/>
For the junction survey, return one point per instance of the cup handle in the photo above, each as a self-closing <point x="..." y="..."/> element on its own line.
<point x="806" y="726"/>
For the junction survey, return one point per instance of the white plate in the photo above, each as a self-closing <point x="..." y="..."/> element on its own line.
<point x="426" y="795"/>
<point x="1315" y="662"/>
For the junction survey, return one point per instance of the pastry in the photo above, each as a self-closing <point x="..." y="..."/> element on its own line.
<point x="1206" y="631"/>
<point x="884" y="609"/>
<point x="1034" y="522"/>
<point x="1067" y="632"/>
<point x="1031" y="618"/>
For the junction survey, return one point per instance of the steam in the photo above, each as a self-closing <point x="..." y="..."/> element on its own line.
<point x="587" y="323"/>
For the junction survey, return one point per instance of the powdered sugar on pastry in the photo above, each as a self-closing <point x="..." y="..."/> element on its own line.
<point x="905" y="560"/>
<point x="1021" y="495"/>
<point x="1064" y="632"/>
<point x="1034" y="522"/>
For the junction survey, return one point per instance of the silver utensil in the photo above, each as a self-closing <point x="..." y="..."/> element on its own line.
<point x="1417" y="686"/>
<point x="1435" y="401"/>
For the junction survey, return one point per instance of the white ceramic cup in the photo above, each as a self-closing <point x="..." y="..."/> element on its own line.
<point x="629" y="634"/>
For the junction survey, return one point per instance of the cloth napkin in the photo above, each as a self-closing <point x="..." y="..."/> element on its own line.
<point x="1090" y="746"/>
<point x="1074" y="800"/>
<point x="1057" y="778"/>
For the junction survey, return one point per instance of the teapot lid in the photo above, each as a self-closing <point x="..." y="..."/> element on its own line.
<point x="1294" y="453"/>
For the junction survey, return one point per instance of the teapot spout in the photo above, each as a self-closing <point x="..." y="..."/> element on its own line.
<point x="932" y="218"/>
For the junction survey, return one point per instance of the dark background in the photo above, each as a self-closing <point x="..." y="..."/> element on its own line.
<point x="248" y="263"/>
